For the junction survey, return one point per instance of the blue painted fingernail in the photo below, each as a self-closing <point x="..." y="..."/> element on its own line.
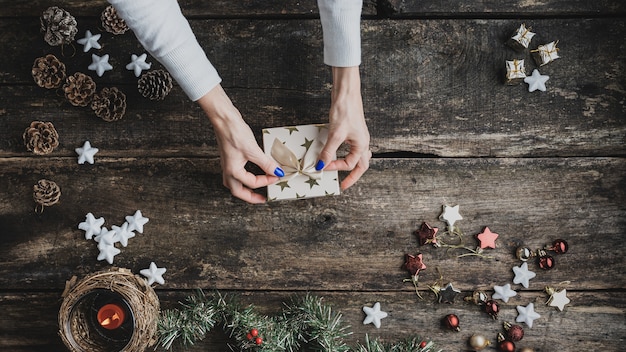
<point x="320" y="165"/>
<point x="279" y="172"/>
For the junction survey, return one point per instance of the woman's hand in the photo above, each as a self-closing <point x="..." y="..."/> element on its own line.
<point x="347" y="124"/>
<point x="238" y="146"/>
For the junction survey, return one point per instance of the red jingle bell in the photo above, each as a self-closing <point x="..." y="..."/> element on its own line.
<point x="492" y="308"/>
<point x="452" y="322"/>
<point x="506" y="346"/>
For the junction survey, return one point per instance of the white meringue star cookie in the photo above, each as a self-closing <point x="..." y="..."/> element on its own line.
<point x="136" y="222"/>
<point x="522" y="274"/>
<point x="138" y="64"/>
<point x="503" y="292"/>
<point x="451" y="215"/>
<point x="374" y="315"/>
<point x="90" y="41"/>
<point x="154" y="274"/>
<point x="86" y="153"/>
<point x="100" y="64"/>
<point x="91" y="226"/>
<point x="536" y="81"/>
<point x="527" y="314"/>
<point x="122" y="234"/>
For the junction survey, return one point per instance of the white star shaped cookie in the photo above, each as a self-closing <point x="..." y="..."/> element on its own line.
<point x="451" y="215"/>
<point x="136" y="222"/>
<point x="91" y="226"/>
<point x="522" y="274"/>
<point x="503" y="292"/>
<point x="527" y="314"/>
<point x="153" y="274"/>
<point x="122" y="234"/>
<point x="90" y="41"/>
<point x="536" y="81"/>
<point x="100" y="64"/>
<point x="86" y="153"/>
<point x="138" y="64"/>
<point x="374" y="315"/>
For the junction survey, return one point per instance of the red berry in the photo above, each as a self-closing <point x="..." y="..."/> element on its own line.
<point x="422" y="344"/>
<point x="258" y="340"/>
<point x="249" y="336"/>
<point x="254" y="332"/>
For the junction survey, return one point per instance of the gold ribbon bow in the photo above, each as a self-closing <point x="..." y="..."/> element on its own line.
<point x="289" y="161"/>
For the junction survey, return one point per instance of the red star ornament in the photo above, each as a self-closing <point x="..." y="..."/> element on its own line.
<point x="414" y="264"/>
<point x="487" y="238"/>
<point x="426" y="234"/>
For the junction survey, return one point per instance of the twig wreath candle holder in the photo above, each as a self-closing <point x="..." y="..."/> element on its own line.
<point x="108" y="311"/>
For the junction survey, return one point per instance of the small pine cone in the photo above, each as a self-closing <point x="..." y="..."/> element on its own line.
<point x="109" y="104"/>
<point x="58" y="26"/>
<point x="46" y="193"/>
<point x="48" y="71"/>
<point x="155" y="85"/>
<point x="79" y="89"/>
<point x="112" y="22"/>
<point x="41" y="138"/>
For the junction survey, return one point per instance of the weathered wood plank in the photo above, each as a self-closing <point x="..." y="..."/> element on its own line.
<point x="29" y="319"/>
<point x="431" y="87"/>
<point x="356" y="241"/>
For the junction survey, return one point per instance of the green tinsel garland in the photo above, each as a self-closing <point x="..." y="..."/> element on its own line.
<point x="304" y="321"/>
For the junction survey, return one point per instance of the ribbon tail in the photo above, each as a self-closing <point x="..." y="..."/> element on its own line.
<point x="285" y="157"/>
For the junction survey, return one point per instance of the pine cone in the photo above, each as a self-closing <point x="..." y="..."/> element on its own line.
<point x="112" y="22"/>
<point x="41" y="138"/>
<point x="79" y="89"/>
<point x="155" y="85"/>
<point x="109" y="104"/>
<point x="58" y="26"/>
<point x="48" y="71"/>
<point x="46" y="193"/>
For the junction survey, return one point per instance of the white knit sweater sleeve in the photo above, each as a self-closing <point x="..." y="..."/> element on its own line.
<point x="342" y="31"/>
<point x="164" y="32"/>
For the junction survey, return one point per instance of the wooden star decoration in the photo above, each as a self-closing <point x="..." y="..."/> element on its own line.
<point x="487" y="238"/>
<point x="451" y="215"/>
<point x="426" y="234"/>
<point x="448" y="294"/>
<point x="557" y="299"/>
<point x="414" y="264"/>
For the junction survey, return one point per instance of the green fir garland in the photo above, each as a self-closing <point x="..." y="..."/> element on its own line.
<point x="306" y="321"/>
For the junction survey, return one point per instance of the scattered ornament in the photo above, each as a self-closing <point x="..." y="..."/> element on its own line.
<point x="546" y="261"/>
<point x="451" y="321"/>
<point x="112" y="22"/>
<point x="536" y="81"/>
<point x="451" y="215"/>
<point x="558" y="298"/>
<point x="522" y="274"/>
<point x="109" y="104"/>
<point x="86" y="153"/>
<point x="154" y="274"/>
<point x="91" y="226"/>
<point x="546" y="53"/>
<point x="122" y="234"/>
<point x="79" y="89"/>
<point x="487" y="238"/>
<point x="521" y="38"/>
<point x="477" y="297"/>
<point x="505" y="345"/>
<point x="106" y="245"/>
<point x="41" y="137"/>
<point x="478" y="342"/>
<point x="559" y="246"/>
<point x="104" y="231"/>
<point x="514" y="332"/>
<point x="515" y="72"/>
<point x="414" y="265"/>
<point x="504" y="292"/>
<point x="138" y="64"/>
<point x="58" y="26"/>
<point x="48" y="72"/>
<point x="100" y="64"/>
<point x="426" y="234"/>
<point x="492" y="308"/>
<point x="136" y="222"/>
<point x="527" y="314"/>
<point x="374" y="315"/>
<point x="524" y="253"/>
<point x="448" y="294"/>
<point x="155" y="85"/>
<point x="90" y="41"/>
<point x="46" y="193"/>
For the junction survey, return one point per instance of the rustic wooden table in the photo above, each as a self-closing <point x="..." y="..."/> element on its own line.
<point x="533" y="167"/>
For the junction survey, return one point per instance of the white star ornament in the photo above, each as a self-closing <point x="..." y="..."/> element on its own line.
<point x="558" y="299"/>
<point x="536" y="81"/>
<point x="138" y="64"/>
<point x="100" y="64"/>
<point x="106" y="246"/>
<point x="91" y="226"/>
<point x="122" y="234"/>
<point x="90" y="41"/>
<point x="86" y="153"/>
<point x="522" y="274"/>
<point x="527" y="314"/>
<point x="503" y="292"/>
<point x="153" y="274"/>
<point x="451" y="215"/>
<point x="136" y="222"/>
<point x="374" y="315"/>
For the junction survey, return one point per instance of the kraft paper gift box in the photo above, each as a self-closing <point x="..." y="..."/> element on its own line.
<point x="296" y="149"/>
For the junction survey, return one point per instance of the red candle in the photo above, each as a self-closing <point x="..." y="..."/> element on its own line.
<point x="111" y="316"/>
